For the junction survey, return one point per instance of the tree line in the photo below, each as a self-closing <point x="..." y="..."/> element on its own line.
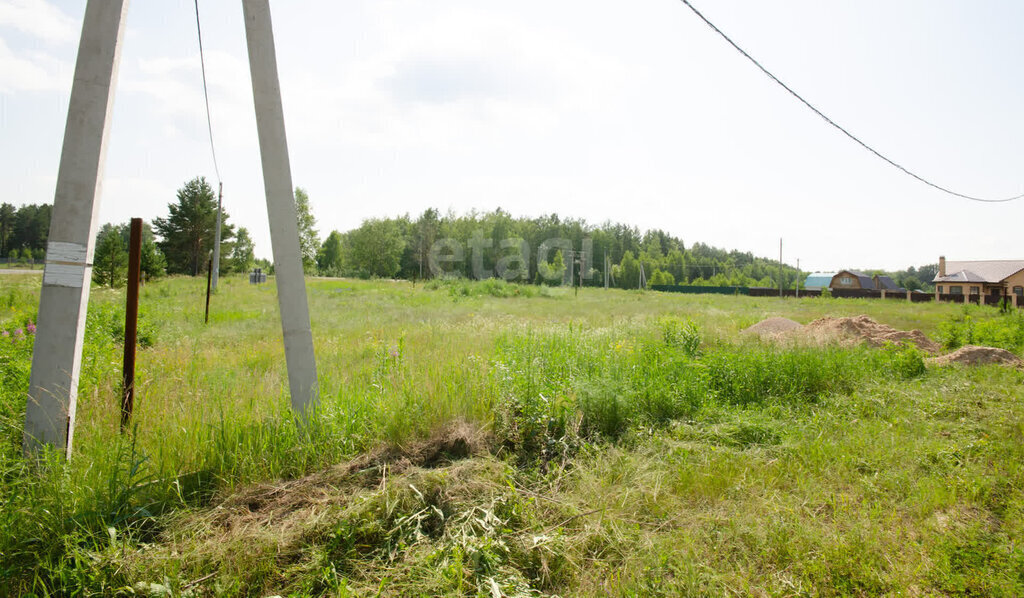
<point x="473" y="245"/>
<point x="23" y="231"/>
<point x="406" y="247"/>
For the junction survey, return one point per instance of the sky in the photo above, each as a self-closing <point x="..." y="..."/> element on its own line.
<point x="633" y="112"/>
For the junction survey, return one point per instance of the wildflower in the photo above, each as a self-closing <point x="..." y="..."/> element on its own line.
<point x="6" y="333"/>
<point x="31" y="328"/>
<point x="18" y="332"/>
<point x="394" y="353"/>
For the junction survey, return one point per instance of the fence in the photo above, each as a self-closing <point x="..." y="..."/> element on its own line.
<point x="693" y="290"/>
<point x="18" y="262"/>
<point x="913" y="296"/>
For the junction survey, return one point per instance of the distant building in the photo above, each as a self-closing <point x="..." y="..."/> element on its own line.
<point x="816" y="281"/>
<point x="887" y="284"/>
<point x="851" y="279"/>
<point x="986" y="277"/>
<point x="855" y="279"/>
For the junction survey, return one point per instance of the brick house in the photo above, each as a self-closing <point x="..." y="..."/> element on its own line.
<point x="999" y="278"/>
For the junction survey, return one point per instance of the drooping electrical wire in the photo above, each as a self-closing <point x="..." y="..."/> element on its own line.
<point x="836" y="125"/>
<point x="206" y="93"/>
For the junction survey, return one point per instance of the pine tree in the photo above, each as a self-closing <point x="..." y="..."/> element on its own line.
<point x="110" y="259"/>
<point x="188" y="232"/>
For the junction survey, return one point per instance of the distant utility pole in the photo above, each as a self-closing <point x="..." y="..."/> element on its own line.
<point x="606" y="270"/>
<point x="780" y="266"/>
<point x="797" y="278"/>
<point x="216" y="241"/>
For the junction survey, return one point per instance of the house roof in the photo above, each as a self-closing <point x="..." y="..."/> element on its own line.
<point x="961" y="276"/>
<point x="991" y="271"/>
<point x="818" y="279"/>
<point x="884" y="282"/>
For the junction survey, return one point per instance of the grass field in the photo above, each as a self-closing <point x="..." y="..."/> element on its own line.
<point x="483" y="439"/>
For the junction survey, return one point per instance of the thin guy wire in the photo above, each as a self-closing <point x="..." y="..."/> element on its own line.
<point x="833" y="123"/>
<point x="206" y="93"/>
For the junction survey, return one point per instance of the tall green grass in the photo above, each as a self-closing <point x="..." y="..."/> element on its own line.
<point x="555" y="381"/>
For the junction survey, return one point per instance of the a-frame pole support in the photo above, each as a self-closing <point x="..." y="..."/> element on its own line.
<point x="56" y="359"/>
<point x="284" y="227"/>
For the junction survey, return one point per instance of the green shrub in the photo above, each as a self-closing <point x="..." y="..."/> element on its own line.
<point x="681" y="333"/>
<point x="1005" y="331"/>
<point x="906" y="361"/>
<point x="490" y="287"/>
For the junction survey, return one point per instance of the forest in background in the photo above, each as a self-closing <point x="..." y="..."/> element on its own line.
<point x="472" y="245"/>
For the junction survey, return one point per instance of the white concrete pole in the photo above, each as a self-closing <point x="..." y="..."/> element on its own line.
<point x="56" y="360"/>
<point x="216" y="238"/>
<point x="284" y="225"/>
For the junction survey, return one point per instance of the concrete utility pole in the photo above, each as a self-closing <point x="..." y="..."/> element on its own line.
<point x="216" y="235"/>
<point x="56" y="360"/>
<point x="284" y="227"/>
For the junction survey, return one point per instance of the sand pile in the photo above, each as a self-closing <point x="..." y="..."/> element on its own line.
<point x="975" y="355"/>
<point x="863" y="329"/>
<point x="840" y="330"/>
<point x="773" y="327"/>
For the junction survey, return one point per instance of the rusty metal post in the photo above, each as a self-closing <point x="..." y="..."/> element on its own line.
<point x="209" y="278"/>
<point x="131" y="322"/>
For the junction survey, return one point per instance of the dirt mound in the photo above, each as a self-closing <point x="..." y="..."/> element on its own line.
<point x="975" y="355"/>
<point x="773" y="327"/>
<point x="864" y="329"/>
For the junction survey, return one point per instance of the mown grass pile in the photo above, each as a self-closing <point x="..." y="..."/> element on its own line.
<point x="479" y="441"/>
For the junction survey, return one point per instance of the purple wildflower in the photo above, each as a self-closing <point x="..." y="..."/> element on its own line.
<point x="6" y="333"/>
<point x="18" y="332"/>
<point x="31" y="328"/>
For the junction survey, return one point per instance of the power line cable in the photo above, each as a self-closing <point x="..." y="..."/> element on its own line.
<point x="206" y="93"/>
<point x="833" y="123"/>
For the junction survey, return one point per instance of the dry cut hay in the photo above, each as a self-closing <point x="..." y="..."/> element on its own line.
<point x="283" y="509"/>
<point x="976" y="355"/>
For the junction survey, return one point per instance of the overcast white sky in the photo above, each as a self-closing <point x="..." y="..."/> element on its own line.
<point x="630" y="111"/>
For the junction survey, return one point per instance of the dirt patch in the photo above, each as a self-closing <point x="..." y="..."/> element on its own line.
<point x="975" y="355"/>
<point x="773" y="327"/>
<point x="862" y="328"/>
